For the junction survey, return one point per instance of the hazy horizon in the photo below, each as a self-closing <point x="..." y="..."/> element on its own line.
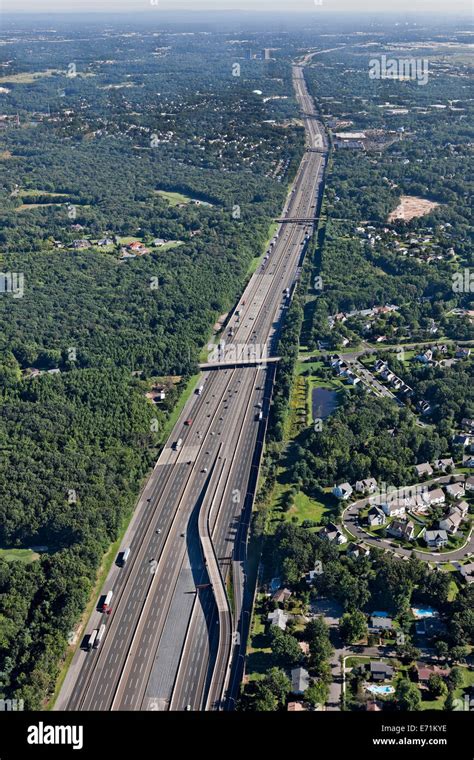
<point x="456" y="7"/>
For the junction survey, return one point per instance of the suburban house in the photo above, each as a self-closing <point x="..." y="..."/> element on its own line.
<point x="333" y="534"/>
<point x="451" y="522"/>
<point x="369" y="485"/>
<point x="395" y="508"/>
<point x="380" y="365"/>
<point x="455" y="490"/>
<point x="462" y="507"/>
<point x="278" y="618"/>
<point x="380" y="671"/>
<point x="468" y="460"/>
<point x="467" y="572"/>
<point x="137" y="248"/>
<point x="342" y="491"/>
<point x="376" y="517"/>
<point x="300" y="680"/>
<point x="424" y="672"/>
<point x="81" y="244"/>
<point x="443" y="464"/>
<point x="425" y="357"/>
<point x="463" y="353"/>
<point x="433" y="497"/>
<point x="354" y="551"/>
<point x="353" y="379"/>
<point x="462" y="440"/>
<point x="436" y="539"/>
<point x="423" y="470"/>
<point x="469" y="484"/>
<point x="381" y="623"/>
<point x="403" y="529"/>
<point x="281" y="596"/>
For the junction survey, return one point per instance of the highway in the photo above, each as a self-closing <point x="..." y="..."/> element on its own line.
<point x="174" y="636"/>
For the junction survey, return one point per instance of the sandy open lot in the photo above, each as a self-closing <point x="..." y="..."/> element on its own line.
<point x="410" y="206"/>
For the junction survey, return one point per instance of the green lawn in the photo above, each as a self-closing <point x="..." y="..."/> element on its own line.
<point x="258" y="658"/>
<point x="306" y="508"/>
<point x="19" y="555"/>
<point x="174" y="199"/>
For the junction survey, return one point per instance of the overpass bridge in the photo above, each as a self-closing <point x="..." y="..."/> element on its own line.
<point x="240" y="363"/>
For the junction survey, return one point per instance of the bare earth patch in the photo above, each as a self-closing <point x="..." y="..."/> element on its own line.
<point x="410" y="207"/>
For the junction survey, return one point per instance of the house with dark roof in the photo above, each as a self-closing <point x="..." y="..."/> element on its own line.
<point x="380" y="671"/>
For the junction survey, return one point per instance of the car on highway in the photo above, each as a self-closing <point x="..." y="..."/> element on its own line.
<point x="188" y="422"/>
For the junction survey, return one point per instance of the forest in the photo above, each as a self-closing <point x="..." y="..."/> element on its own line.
<point x="83" y="158"/>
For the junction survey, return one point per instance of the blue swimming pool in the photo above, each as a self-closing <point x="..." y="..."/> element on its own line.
<point x="377" y="689"/>
<point x="377" y="613"/>
<point x="424" y="612"/>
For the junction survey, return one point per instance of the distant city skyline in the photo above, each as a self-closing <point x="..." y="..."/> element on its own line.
<point x="459" y="7"/>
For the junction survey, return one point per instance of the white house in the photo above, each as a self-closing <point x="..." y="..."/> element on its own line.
<point x="395" y="508"/>
<point x="343" y="491"/>
<point x="369" y="485"/>
<point x="443" y="464"/>
<point x="436" y="539"/>
<point x="333" y="534"/>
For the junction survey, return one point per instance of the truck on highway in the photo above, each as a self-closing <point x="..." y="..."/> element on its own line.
<point x="178" y="444"/>
<point x="100" y="636"/>
<point x="260" y="416"/>
<point x="92" y="638"/>
<point x="125" y="555"/>
<point x="199" y="390"/>
<point x="107" y="600"/>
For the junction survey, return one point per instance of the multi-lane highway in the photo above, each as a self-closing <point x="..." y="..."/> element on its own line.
<point x="175" y="632"/>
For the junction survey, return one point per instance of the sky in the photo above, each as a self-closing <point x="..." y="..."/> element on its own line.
<point x="462" y="7"/>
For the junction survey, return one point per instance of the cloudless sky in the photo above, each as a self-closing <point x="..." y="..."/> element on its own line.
<point x="462" y="7"/>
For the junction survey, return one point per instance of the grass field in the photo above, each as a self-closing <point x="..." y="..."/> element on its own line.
<point x="30" y="206"/>
<point x="27" y="77"/>
<point x="19" y="555"/>
<point x="174" y="199"/>
<point x="38" y="193"/>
